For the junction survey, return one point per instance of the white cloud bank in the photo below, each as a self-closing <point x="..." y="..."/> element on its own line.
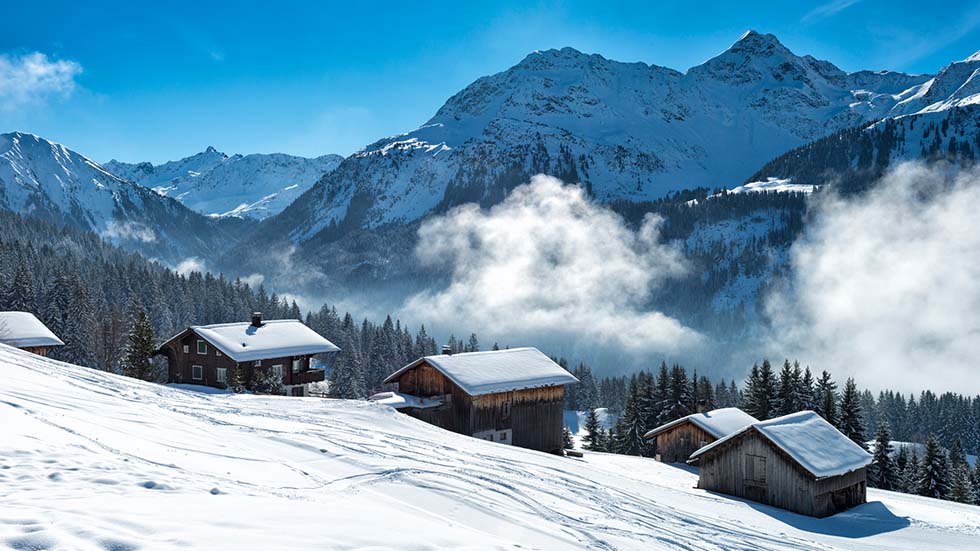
<point x="887" y="287"/>
<point x="547" y="263"/>
<point x="32" y="78"/>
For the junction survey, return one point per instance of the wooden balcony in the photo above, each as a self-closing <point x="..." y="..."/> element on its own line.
<point x="308" y="376"/>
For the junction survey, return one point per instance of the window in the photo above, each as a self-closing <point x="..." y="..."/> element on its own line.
<point x="202" y="347"/>
<point x="187" y="349"/>
<point x="258" y="363"/>
<point x="755" y="468"/>
<point x="221" y="375"/>
<point x="197" y="372"/>
<point x="217" y="352"/>
<point x="277" y="370"/>
<point x="297" y="366"/>
<point x="505" y="409"/>
<point x="502" y="436"/>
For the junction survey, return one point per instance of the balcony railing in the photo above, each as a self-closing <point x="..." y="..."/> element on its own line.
<point x="308" y="376"/>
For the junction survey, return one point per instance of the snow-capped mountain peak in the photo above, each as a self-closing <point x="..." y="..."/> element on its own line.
<point x="244" y="186"/>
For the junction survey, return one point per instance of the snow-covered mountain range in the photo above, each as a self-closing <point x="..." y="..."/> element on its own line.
<point x="627" y="131"/>
<point x="213" y="183"/>
<point x="49" y="181"/>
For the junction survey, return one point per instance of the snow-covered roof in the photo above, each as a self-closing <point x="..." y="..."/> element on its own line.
<point x="810" y="440"/>
<point x="717" y="423"/>
<point x="398" y="400"/>
<point x="244" y="342"/>
<point x="478" y="373"/>
<point x="23" y="330"/>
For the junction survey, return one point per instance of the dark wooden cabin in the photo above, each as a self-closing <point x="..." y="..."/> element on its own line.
<point x="510" y="396"/>
<point x="797" y="462"/>
<point x="209" y="354"/>
<point x="23" y="330"/>
<point x="675" y="441"/>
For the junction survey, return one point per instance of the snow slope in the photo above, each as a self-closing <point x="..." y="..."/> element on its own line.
<point x="212" y="183"/>
<point x="90" y="460"/>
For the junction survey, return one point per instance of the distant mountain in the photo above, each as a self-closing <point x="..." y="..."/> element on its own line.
<point x="627" y="131"/>
<point x="245" y="186"/>
<point x="47" y="180"/>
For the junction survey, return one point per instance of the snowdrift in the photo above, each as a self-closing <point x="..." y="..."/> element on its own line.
<point x="90" y="460"/>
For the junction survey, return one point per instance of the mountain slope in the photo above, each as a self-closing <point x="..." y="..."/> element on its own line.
<point x="91" y="460"/>
<point x="627" y="131"/>
<point x="49" y="181"/>
<point x="212" y="183"/>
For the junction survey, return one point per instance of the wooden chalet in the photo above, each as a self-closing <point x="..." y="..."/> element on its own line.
<point x="510" y="396"/>
<point x="209" y="354"/>
<point x="798" y="462"/>
<point x="23" y="330"/>
<point x="677" y="440"/>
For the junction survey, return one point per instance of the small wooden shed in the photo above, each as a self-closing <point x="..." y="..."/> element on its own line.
<point x="798" y="462"/>
<point x="677" y="440"/>
<point x="23" y="330"/>
<point x="513" y="396"/>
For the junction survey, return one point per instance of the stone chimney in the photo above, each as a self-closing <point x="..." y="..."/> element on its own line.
<point x="256" y="319"/>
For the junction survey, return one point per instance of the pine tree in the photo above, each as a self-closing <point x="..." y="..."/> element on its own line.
<point x="760" y="392"/>
<point x="140" y="346"/>
<point x="346" y="378"/>
<point x="787" y="400"/>
<point x="594" y="439"/>
<point x="961" y="484"/>
<point x="883" y="473"/>
<point x="630" y="427"/>
<point x="850" y="421"/>
<point x="932" y="477"/>
<point x="910" y="475"/>
<point x="21" y="295"/>
<point x="827" y="398"/>
<point x="566" y="438"/>
<point x="957" y="455"/>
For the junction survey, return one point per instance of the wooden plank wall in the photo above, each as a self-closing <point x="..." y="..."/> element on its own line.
<point x="787" y="485"/>
<point x="677" y="444"/>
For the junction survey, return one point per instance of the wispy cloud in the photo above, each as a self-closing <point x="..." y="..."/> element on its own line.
<point x="829" y="9"/>
<point x="547" y="264"/>
<point x="33" y="78"/>
<point x="887" y="287"/>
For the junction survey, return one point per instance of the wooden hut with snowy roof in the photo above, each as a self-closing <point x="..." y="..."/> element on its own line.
<point x="209" y="354"/>
<point x="798" y="462"/>
<point x="23" y="330"/>
<point x="677" y="440"/>
<point x="512" y="396"/>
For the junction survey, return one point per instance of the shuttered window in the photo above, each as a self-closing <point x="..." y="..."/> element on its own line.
<point x="202" y="347"/>
<point x="197" y="372"/>
<point x="755" y="468"/>
<point x="221" y="375"/>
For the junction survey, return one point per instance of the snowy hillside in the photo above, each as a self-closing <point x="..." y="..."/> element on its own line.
<point x="628" y="131"/>
<point x="49" y="181"/>
<point x="90" y="460"/>
<point x="212" y="183"/>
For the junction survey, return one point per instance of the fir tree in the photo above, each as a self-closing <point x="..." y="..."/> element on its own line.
<point x="957" y="455"/>
<point x="883" y="472"/>
<point x="594" y="440"/>
<point x="346" y="378"/>
<point x="827" y="398"/>
<point x="910" y="475"/>
<point x="566" y="438"/>
<point x="630" y="427"/>
<point x="760" y="392"/>
<point x="140" y="346"/>
<point x="850" y="421"/>
<point x="961" y="484"/>
<point x="932" y="476"/>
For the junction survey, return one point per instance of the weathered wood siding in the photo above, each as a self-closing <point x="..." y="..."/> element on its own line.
<point x="753" y="468"/>
<point x="678" y="443"/>
<point x="534" y="416"/>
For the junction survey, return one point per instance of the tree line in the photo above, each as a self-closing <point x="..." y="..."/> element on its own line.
<point x="949" y="424"/>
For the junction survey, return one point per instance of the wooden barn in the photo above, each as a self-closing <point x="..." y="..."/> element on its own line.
<point x="209" y="354"/>
<point x="510" y="396"/>
<point x="798" y="462"/>
<point x="23" y="330"/>
<point x="677" y="440"/>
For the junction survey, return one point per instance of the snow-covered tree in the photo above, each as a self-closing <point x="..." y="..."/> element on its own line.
<point x="566" y="438"/>
<point x="346" y="377"/>
<point x="961" y="484"/>
<point x="595" y="439"/>
<point x="827" y="398"/>
<point x="883" y="472"/>
<point x="140" y="346"/>
<point x="932" y="480"/>
<point x="850" y="421"/>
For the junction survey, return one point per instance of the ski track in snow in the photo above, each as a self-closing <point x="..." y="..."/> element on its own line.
<point x="96" y="461"/>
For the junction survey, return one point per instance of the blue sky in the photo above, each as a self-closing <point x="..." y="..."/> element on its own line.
<point x="156" y="82"/>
